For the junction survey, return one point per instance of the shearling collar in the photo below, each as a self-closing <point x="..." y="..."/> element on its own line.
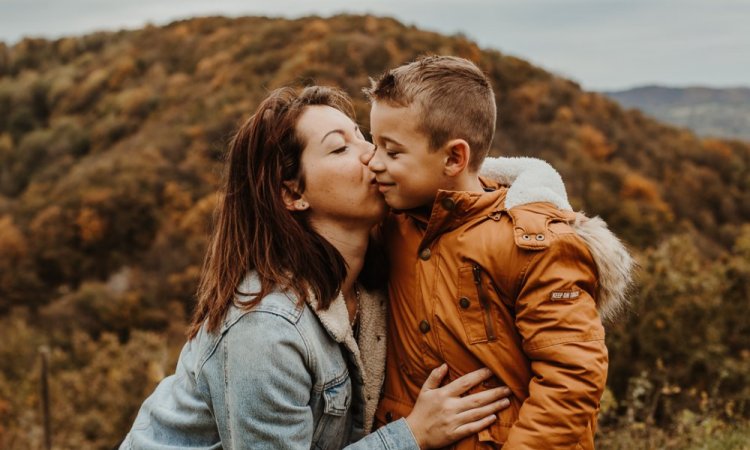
<point x="372" y="328"/>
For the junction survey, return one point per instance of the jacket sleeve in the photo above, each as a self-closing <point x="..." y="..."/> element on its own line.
<point x="175" y="405"/>
<point x="268" y="383"/>
<point x="563" y="337"/>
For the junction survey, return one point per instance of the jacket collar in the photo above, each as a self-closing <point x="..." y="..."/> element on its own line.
<point x="451" y="209"/>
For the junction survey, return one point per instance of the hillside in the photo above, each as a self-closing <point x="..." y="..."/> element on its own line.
<point x="707" y="111"/>
<point x="111" y="148"/>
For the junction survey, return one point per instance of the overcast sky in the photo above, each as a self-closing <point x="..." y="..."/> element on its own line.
<point x="602" y="44"/>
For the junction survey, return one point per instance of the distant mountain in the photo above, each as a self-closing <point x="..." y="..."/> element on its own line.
<point x="707" y="111"/>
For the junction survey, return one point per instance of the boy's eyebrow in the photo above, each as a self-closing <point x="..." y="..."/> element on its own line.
<point x="386" y="139"/>
<point x="338" y="131"/>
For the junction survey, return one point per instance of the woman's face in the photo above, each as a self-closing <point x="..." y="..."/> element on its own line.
<point x="338" y="185"/>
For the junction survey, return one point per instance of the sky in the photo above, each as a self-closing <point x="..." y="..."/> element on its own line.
<point x="601" y="44"/>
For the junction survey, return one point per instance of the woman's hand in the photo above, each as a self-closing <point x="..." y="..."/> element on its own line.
<point x="441" y="416"/>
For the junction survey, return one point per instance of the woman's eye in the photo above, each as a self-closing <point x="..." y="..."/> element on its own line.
<point x="340" y="150"/>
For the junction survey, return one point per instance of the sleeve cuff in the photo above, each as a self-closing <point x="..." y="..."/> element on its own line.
<point x="398" y="436"/>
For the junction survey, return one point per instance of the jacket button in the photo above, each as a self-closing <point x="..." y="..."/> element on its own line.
<point x="464" y="302"/>
<point x="424" y="327"/>
<point x="388" y="416"/>
<point x="448" y="204"/>
<point x="425" y="254"/>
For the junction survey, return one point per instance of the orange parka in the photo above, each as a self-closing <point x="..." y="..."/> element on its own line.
<point x="517" y="291"/>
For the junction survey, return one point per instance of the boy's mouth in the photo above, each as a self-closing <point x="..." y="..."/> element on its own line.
<point x="382" y="187"/>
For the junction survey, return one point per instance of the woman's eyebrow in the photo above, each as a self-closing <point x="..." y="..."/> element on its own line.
<point x="341" y="132"/>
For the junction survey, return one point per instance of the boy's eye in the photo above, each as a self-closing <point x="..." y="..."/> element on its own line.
<point x="391" y="153"/>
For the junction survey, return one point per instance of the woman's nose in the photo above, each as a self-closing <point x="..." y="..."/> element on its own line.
<point x="367" y="154"/>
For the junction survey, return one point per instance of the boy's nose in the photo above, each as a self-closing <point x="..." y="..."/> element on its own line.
<point x="374" y="163"/>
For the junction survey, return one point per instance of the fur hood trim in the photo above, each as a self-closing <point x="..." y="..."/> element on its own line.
<point x="613" y="263"/>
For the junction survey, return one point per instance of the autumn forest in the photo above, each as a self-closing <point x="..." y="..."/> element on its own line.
<point x="111" y="151"/>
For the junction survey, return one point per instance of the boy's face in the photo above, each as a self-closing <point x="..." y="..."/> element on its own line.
<point x="408" y="173"/>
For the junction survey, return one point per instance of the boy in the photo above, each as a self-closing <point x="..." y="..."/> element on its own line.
<point x="473" y="282"/>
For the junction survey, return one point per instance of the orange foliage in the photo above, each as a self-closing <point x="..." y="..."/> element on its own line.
<point x="43" y="224"/>
<point x="124" y="68"/>
<point x="527" y="98"/>
<point x="91" y="226"/>
<point x="564" y="114"/>
<point x="12" y="242"/>
<point x="635" y="186"/>
<point x="136" y="102"/>
<point x="717" y="148"/>
<point x="594" y="143"/>
<point x="316" y="29"/>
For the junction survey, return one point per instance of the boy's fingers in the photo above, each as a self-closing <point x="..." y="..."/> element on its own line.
<point x="436" y="376"/>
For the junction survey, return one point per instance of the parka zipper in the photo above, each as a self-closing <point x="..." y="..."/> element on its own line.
<point x="485" y="302"/>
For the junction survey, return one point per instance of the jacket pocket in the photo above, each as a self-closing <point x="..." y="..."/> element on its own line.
<point x="337" y="396"/>
<point x="331" y="430"/>
<point x="475" y="305"/>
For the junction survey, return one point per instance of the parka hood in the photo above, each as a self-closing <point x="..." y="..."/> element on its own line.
<point x="532" y="180"/>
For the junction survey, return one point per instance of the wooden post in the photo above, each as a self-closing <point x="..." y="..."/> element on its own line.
<point x="44" y="381"/>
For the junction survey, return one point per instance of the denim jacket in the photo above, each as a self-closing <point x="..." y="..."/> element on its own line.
<point x="280" y="375"/>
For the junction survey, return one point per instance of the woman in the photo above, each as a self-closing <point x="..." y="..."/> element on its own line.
<point x="287" y="344"/>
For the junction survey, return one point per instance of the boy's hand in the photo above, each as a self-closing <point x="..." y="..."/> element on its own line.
<point x="442" y="416"/>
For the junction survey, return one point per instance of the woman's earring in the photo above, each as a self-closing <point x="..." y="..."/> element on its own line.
<point x="302" y="205"/>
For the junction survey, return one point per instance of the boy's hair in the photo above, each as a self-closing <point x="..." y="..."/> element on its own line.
<point x="453" y="96"/>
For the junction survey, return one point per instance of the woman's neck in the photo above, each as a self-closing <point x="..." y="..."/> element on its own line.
<point x="351" y="241"/>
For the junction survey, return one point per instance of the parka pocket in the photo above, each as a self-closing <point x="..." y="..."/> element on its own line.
<point x="475" y="305"/>
<point x="495" y="435"/>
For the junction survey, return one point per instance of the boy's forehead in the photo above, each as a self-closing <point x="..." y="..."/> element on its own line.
<point x="389" y="116"/>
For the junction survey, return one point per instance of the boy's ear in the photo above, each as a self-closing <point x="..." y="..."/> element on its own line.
<point x="457" y="154"/>
<point x="293" y="200"/>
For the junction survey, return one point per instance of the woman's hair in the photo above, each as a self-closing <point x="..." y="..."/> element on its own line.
<point x="253" y="230"/>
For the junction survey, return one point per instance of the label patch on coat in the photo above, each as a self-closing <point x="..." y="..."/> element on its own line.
<point x="560" y="295"/>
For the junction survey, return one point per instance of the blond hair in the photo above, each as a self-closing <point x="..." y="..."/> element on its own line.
<point x="453" y="96"/>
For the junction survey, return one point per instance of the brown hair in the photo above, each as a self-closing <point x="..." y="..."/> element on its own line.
<point x="454" y="98"/>
<point x="253" y="229"/>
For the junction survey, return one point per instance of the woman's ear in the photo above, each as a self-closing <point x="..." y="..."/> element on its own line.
<point x="293" y="200"/>
<point x="457" y="155"/>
